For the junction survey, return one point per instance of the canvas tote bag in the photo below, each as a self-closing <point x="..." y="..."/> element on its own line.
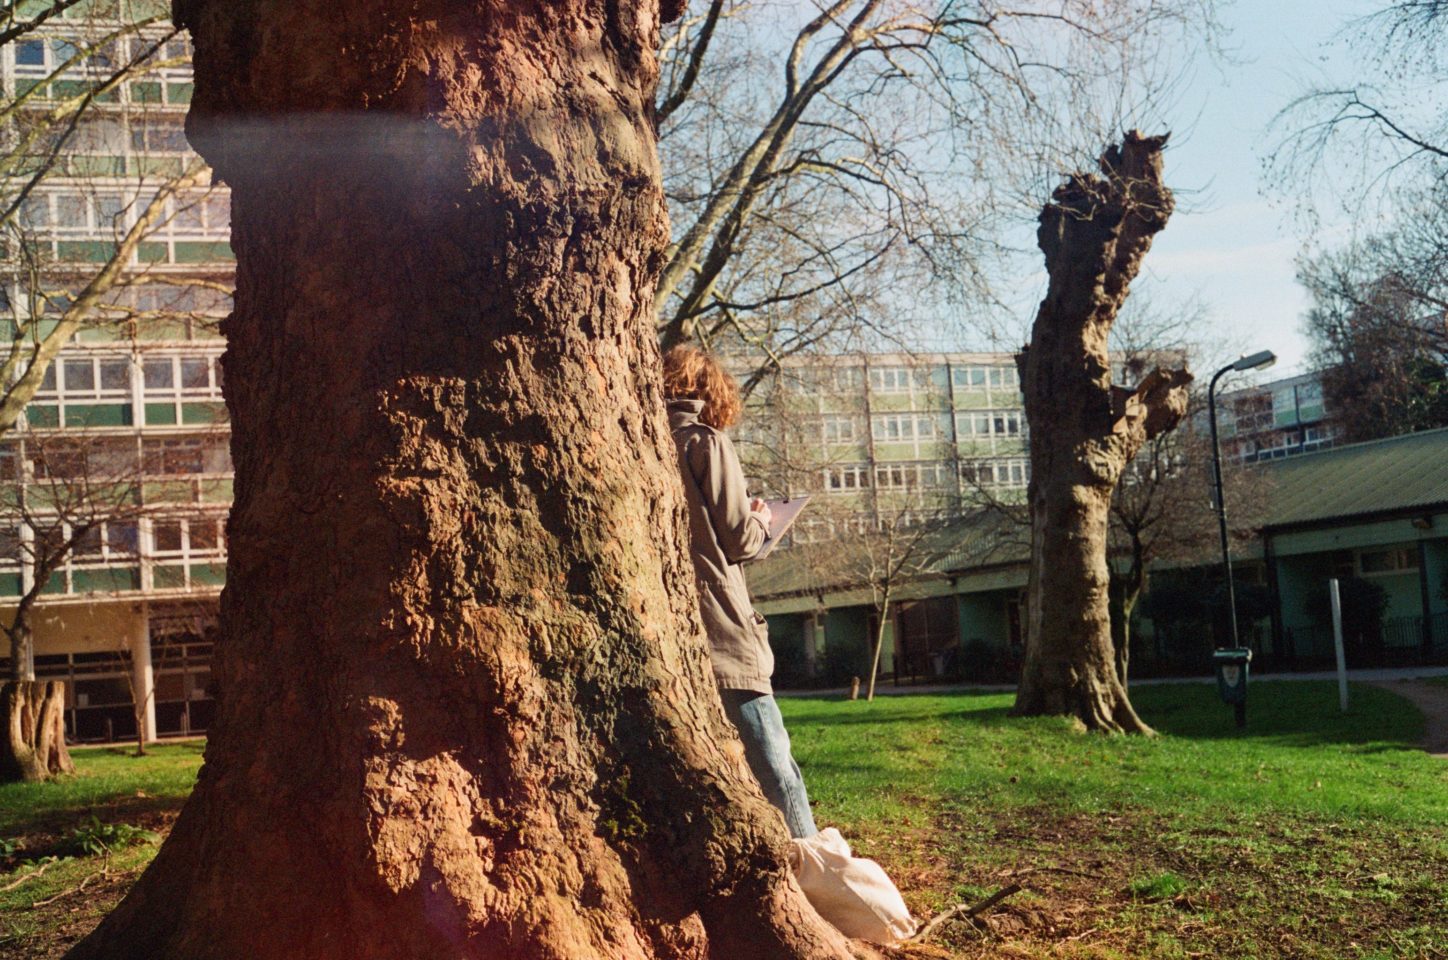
<point x="852" y="893"/>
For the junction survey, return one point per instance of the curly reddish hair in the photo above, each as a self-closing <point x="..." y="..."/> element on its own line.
<point x="692" y="374"/>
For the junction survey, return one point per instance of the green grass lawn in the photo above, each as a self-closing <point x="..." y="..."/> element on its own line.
<point x="47" y="826"/>
<point x="1312" y="835"/>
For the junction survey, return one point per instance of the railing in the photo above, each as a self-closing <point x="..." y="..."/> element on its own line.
<point x="1399" y="641"/>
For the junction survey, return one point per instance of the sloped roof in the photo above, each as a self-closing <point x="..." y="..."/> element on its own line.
<point x="1378" y="477"/>
<point x="1394" y="475"/>
<point x="978" y="539"/>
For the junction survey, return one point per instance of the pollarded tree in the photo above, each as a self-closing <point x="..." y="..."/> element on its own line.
<point x="1084" y="429"/>
<point x="72" y="496"/>
<point x="467" y="706"/>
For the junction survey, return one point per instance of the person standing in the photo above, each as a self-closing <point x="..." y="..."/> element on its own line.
<point x="726" y="528"/>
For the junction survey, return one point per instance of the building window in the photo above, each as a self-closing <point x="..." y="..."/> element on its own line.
<point x="893" y="475"/>
<point x="1394" y="560"/>
<point x="112" y="541"/>
<point x="892" y="428"/>
<point x="969" y="378"/>
<point x="996" y="473"/>
<point x="98" y="135"/>
<point x="187" y="537"/>
<point x="890" y="379"/>
<point x="844" y="478"/>
<point x="847" y="379"/>
<point x="91" y="378"/>
<point x="111" y="458"/>
<point x="160" y="135"/>
<point x="30" y="53"/>
<point x="1006" y="424"/>
<point x="838" y="429"/>
<point x="1000" y="423"/>
<point x="176" y="377"/>
<point x="1003" y="377"/>
<point x="185" y="456"/>
<point x="169" y="298"/>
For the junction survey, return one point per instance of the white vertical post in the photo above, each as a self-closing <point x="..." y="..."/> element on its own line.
<point x="143" y="680"/>
<point x="1337" y="642"/>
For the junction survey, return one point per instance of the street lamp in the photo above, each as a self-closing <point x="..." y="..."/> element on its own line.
<point x="1231" y="664"/>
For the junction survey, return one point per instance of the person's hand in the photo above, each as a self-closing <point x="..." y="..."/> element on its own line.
<point x="760" y="509"/>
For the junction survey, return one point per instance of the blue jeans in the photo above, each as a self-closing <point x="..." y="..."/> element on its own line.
<point x="766" y="747"/>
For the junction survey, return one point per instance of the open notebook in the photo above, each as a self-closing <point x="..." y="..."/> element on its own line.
<point x="782" y="514"/>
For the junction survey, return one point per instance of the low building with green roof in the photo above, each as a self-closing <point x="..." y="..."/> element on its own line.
<point x="1375" y="513"/>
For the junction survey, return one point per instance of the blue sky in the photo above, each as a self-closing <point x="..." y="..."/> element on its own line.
<point x="1234" y="240"/>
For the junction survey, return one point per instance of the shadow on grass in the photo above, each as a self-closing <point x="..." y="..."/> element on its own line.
<point x="54" y="828"/>
<point x="195" y="748"/>
<point x="990" y="716"/>
<point x="1292" y="713"/>
<point x="1298" y="713"/>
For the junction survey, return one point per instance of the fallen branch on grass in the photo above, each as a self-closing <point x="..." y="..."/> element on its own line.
<point x="29" y="876"/>
<point x="1026" y="871"/>
<point x="101" y="874"/>
<point x="960" y="910"/>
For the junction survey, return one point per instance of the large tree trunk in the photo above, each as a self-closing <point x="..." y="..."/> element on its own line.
<point x="1084" y="430"/>
<point x="34" y="745"/>
<point x="466" y="705"/>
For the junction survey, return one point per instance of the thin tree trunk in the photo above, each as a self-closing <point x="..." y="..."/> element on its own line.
<point x="141" y="732"/>
<point x="879" y="645"/>
<point x="1084" y="430"/>
<point x="1125" y="592"/>
<point x="467" y="710"/>
<point x="22" y="644"/>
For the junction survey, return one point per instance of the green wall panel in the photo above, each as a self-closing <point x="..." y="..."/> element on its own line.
<point x="160" y="413"/>
<point x="96" y="166"/>
<point x="179" y="491"/>
<point x="106" y="580"/>
<point x="203" y="413"/>
<point x="42" y="415"/>
<point x="208" y="574"/>
<point x="65" y="89"/>
<point x="152" y="253"/>
<point x="217" y="491"/>
<point x="157" y="166"/>
<point x="188" y="251"/>
<point x="168" y="577"/>
<point x="98" y="415"/>
<point x="84" y="251"/>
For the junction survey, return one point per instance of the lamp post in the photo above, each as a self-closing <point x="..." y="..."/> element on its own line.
<point x="1231" y="664"/>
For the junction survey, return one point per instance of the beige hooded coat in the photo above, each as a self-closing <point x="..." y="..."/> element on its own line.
<point x="723" y="534"/>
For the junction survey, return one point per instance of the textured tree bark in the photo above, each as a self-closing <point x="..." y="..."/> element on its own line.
<point x="466" y="706"/>
<point x="34" y="746"/>
<point x="1084" y="430"/>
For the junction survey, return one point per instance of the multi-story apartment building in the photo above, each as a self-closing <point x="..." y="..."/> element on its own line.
<point x="1274" y="420"/>
<point x="887" y="436"/>
<point x="128" y="617"/>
